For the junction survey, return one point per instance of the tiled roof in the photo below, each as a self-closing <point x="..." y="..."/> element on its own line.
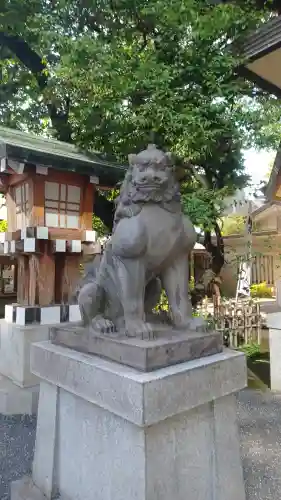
<point x="31" y="148"/>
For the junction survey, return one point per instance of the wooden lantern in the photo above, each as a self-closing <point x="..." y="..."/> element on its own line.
<point x="50" y="197"/>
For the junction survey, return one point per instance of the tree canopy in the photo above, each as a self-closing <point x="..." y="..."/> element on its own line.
<point x="113" y="75"/>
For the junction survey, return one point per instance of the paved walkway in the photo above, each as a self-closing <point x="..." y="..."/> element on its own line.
<point x="260" y="425"/>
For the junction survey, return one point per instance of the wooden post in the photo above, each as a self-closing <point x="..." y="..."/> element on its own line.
<point x="42" y="278"/>
<point x="23" y="280"/>
<point x="59" y="270"/>
<point x="37" y="213"/>
<point x="69" y="277"/>
<point x="11" y="211"/>
<point x="86" y="212"/>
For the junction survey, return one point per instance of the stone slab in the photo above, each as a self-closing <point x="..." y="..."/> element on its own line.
<point x="15" y="342"/>
<point x="274" y="334"/>
<point x="273" y="320"/>
<point x="192" y="456"/>
<point x="44" y="451"/>
<point x="16" y="400"/>
<point x="142" y="398"/>
<point x="167" y="434"/>
<point x="169" y="347"/>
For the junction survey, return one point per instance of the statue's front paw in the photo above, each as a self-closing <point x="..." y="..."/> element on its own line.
<point x="103" y="325"/>
<point x="138" y="328"/>
<point x="199" y="324"/>
<point x="196" y="323"/>
<point x="181" y="321"/>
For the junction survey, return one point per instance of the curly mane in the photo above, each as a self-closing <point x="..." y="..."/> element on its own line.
<point x="131" y="200"/>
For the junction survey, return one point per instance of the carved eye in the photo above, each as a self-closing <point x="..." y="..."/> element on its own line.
<point x="161" y="165"/>
<point x="143" y="166"/>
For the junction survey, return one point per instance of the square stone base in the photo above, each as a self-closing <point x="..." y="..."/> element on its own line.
<point x="15" y="342"/>
<point x="24" y="489"/>
<point x="168" y="347"/>
<point x="274" y="333"/>
<point x="19" y="388"/>
<point x="15" y="400"/>
<point x="109" y="432"/>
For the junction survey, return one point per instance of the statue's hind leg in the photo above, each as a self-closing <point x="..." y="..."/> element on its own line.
<point x="89" y="301"/>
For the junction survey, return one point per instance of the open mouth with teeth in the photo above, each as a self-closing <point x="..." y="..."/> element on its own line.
<point x="148" y="186"/>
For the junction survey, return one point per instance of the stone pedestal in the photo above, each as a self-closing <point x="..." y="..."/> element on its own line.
<point x="19" y="388"/>
<point x="278" y="292"/>
<point x="15" y="342"/>
<point x="15" y="400"/>
<point x="274" y="327"/>
<point x="167" y="347"/>
<point x="110" y="432"/>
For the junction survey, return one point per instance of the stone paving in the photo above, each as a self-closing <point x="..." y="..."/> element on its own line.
<point x="260" y="428"/>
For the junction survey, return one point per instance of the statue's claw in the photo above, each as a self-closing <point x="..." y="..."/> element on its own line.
<point x="138" y="328"/>
<point x="103" y="325"/>
<point x="199" y="324"/>
<point x="196" y="323"/>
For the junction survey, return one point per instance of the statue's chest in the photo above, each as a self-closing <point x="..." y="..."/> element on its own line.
<point x="163" y="230"/>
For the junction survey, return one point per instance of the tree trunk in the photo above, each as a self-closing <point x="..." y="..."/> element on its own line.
<point x="104" y="209"/>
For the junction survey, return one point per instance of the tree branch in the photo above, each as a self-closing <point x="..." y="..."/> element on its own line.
<point x="60" y="119"/>
<point x="33" y="61"/>
<point x="27" y="56"/>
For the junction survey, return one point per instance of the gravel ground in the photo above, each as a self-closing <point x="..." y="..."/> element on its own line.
<point x="260" y="427"/>
<point x="17" y="435"/>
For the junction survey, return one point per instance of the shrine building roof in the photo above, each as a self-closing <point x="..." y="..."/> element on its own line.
<point x="262" y="55"/>
<point x="27" y="148"/>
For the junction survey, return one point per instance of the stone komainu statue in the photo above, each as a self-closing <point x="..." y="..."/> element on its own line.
<point x="148" y="250"/>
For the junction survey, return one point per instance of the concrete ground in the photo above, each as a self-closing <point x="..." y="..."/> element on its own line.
<point x="259" y="416"/>
<point x="260" y="429"/>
